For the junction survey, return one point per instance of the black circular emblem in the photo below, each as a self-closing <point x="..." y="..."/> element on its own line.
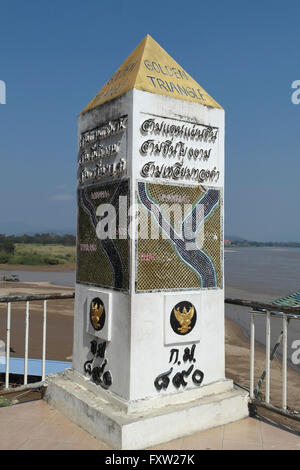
<point x="97" y="314"/>
<point x="183" y="318"/>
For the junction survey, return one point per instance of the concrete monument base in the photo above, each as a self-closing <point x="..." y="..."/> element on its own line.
<point x="144" y="423"/>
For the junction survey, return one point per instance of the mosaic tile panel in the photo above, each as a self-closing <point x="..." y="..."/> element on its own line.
<point x="102" y="263"/>
<point x="170" y="263"/>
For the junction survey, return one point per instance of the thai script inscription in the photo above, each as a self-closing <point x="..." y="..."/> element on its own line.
<point x="97" y="372"/>
<point x="176" y="149"/>
<point x="178" y="171"/>
<point x="192" y="131"/>
<point x="98" y="159"/>
<point x="106" y="130"/>
<point x="98" y="151"/>
<point x="190" y="144"/>
<point x="180" y="379"/>
<point x="102" y="171"/>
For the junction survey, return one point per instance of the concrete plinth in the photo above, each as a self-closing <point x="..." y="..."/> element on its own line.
<point x="144" y="423"/>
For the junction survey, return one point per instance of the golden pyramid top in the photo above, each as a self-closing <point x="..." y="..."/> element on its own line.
<point x="150" y="68"/>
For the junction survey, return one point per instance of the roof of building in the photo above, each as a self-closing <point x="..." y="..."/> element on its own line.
<point x="292" y="300"/>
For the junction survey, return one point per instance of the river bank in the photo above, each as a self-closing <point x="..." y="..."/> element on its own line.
<point x="59" y="268"/>
<point x="53" y="276"/>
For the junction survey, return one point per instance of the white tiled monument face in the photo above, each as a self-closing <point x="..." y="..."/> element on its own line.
<point x="178" y="300"/>
<point x="149" y="316"/>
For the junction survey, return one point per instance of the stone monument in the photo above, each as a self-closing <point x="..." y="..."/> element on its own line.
<point x="148" y="353"/>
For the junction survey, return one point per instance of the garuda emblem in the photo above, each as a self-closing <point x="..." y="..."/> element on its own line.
<point x="184" y="318"/>
<point x="96" y="314"/>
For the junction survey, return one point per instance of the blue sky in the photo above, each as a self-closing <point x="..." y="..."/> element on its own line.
<point x="55" y="56"/>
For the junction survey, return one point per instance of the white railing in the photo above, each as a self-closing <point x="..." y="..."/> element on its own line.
<point x="9" y="300"/>
<point x="269" y="311"/>
<point x="285" y="317"/>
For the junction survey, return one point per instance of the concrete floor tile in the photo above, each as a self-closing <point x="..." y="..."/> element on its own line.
<point x="213" y="433"/>
<point x="272" y="434"/>
<point x="176" y="444"/>
<point x="84" y="445"/>
<point x="84" y="440"/>
<point x="241" y="444"/>
<point x="12" y="442"/>
<point x="208" y="439"/>
<point x="13" y="424"/>
<point x="35" y="425"/>
<point x="282" y="446"/>
<point x="39" y="444"/>
<point x="34" y="411"/>
<point x="246" y="429"/>
<point x="60" y="432"/>
<point x="202" y="444"/>
<point x="15" y="429"/>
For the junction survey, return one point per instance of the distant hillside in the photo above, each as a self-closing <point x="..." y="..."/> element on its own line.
<point x="39" y="238"/>
<point x="234" y="238"/>
<point x="41" y="249"/>
<point x="17" y="228"/>
<point x="238" y="241"/>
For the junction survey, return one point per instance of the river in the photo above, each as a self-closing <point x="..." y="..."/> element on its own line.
<point x="63" y="278"/>
<point x="265" y="274"/>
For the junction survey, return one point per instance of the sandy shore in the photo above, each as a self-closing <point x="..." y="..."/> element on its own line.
<point x="60" y="339"/>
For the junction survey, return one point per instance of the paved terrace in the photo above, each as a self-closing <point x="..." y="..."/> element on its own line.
<point x="34" y="425"/>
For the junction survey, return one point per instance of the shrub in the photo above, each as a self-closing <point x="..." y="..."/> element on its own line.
<point x="51" y="260"/>
<point x="7" y="246"/>
<point x="4" y="402"/>
<point x="4" y="258"/>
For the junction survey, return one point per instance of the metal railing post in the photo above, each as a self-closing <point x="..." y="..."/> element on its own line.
<point x="26" y="343"/>
<point x="7" y="344"/>
<point x="284" y="362"/>
<point x="268" y="344"/>
<point x="252" y="343"/>
<point x="270" y="311"/>
<point x="44" y="340"/>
